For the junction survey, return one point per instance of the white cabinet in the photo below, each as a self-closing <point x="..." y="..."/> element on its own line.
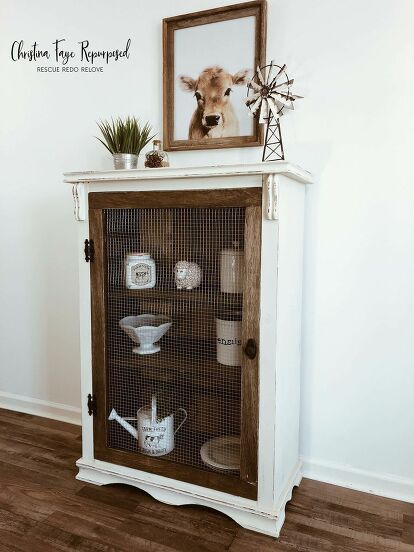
<point x="193" y="383"/>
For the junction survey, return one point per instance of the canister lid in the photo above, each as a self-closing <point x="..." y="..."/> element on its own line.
<point x="235" y="250"/>
<point x="138" y="254"/>
<point x="232" y="252"/>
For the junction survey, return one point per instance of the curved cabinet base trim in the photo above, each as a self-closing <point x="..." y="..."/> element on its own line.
<point x="262" y="522"/>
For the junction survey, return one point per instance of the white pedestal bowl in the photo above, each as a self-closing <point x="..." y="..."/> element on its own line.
<point x="146" y="330"/>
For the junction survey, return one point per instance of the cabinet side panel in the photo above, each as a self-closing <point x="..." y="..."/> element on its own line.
<point x="85" y="341"/>
<point x="267" y="379"/>
<point x="289" y="310"/>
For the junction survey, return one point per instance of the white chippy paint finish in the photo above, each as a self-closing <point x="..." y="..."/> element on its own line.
<point x="269" y="171"/>
<point x="168" y="173"/>
<point x="245" y="512"/>
<point x="271" y="195"/>
<point x="78" y="192"/>
<point x="279" y="466"/>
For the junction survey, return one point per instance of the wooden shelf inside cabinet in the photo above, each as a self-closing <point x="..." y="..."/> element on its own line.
<point x="187" y="447"/>
<point x="200" y="296"/>
<point x="207" y="375"/>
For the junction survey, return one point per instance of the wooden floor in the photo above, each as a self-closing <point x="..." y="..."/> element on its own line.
<point x="43" y="508"/>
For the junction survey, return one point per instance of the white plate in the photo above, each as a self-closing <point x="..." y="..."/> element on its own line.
<point x="222" y="453"/>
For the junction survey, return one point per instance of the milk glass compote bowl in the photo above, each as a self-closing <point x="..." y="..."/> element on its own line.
<point x="146" y="330"/>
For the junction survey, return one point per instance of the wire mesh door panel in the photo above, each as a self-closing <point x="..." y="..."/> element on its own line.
<point x="174" y="282"/>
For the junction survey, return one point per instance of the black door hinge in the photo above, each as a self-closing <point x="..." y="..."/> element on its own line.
<point x="91" y="405"/>
<point x="89" y="251"/>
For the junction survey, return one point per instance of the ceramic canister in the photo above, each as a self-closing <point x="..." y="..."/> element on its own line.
<point x="228" y="327"/>
<point x="156" y="437"/>
<point x="140" y="271"/>
<point x="231" y="270"/>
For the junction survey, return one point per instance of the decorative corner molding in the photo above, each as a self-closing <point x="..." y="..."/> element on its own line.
<point x="271" y="206"/>
<point x="79" y="209"/>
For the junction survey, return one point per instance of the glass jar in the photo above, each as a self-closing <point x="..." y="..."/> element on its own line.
<point x="139" y="271"/>
<point x="156" y="157"/>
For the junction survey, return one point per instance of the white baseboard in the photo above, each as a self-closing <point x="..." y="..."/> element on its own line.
<point x="38" y="407"/>
<point x="382" y="484"/>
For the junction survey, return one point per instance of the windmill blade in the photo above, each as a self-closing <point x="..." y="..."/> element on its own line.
<point x="284" y="96"/>
<point x="281" y="110"/>
<point x="270" y="70"/>
<point x="281" y="105"/>
<point x="251" y="99"/>
<point x="287" y="83"/>
<point x="290" y="97"/>
<point x="281" y="70"/>
<point x="286" y="105"/>
<point x="259" y="74"/>
<point x="273" y="107"/>
<point x="279" y="98"/>
<point x="254" y="85"/>
<point x="264" y="111"/>
<point x="255" y="106"/>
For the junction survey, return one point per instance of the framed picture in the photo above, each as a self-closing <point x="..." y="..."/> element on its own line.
<point x="209" y="57"/>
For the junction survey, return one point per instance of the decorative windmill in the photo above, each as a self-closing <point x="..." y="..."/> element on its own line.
<point x="269" y="92"/>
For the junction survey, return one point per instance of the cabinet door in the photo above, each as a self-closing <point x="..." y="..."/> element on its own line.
<point x="188" y="408"/>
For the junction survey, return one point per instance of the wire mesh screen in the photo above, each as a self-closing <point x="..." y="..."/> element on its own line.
<point x="174" y="315"/>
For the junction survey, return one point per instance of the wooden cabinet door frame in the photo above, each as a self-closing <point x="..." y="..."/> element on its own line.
<point x="251" y="200"/>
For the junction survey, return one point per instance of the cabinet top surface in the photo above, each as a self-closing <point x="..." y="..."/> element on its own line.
<point x="167" y="173"/>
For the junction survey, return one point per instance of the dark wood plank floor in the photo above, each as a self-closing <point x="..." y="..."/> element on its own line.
<point x="43" y="508"/>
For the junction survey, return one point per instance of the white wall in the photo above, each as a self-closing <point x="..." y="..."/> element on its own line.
<point x="353" y="63"/>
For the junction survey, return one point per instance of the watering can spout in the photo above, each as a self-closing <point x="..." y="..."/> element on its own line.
<point x="115" y="416"/>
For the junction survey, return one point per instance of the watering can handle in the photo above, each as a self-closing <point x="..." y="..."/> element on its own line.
<point x="185" y="414"/>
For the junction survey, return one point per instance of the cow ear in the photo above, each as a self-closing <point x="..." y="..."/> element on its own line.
<point x="187" y="83"/>
<point x="242" y="77"/>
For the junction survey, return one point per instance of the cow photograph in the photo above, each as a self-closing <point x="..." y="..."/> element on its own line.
<point x="207" y="67"/>
<point x="214" y="115"/>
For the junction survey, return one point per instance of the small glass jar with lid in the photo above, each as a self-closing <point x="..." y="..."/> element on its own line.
<point x="156" y="157"/>
<point x="140" y="271"/>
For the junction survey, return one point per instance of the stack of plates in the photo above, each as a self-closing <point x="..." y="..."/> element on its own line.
<point x="222" y="453"/>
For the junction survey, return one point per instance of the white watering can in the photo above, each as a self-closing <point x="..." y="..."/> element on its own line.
<point x="155" y="436"/>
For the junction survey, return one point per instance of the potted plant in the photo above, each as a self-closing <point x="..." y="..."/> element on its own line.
<point x="125" y="139"/>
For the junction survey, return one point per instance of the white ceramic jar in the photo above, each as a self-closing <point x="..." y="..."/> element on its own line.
<point x="231" y="270"/>
<point x="228" y="329"/>
<point x="140" y="271"/>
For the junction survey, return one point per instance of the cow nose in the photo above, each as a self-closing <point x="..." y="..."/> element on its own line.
<point x="212" y="120"/>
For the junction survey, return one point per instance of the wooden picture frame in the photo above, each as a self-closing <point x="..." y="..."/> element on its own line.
<point x="199" y="135"/>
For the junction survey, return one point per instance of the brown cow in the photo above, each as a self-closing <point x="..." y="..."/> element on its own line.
<point x="214" y="116"/>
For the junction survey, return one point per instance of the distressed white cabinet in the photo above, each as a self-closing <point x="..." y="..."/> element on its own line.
<point x="210" y="415"/>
